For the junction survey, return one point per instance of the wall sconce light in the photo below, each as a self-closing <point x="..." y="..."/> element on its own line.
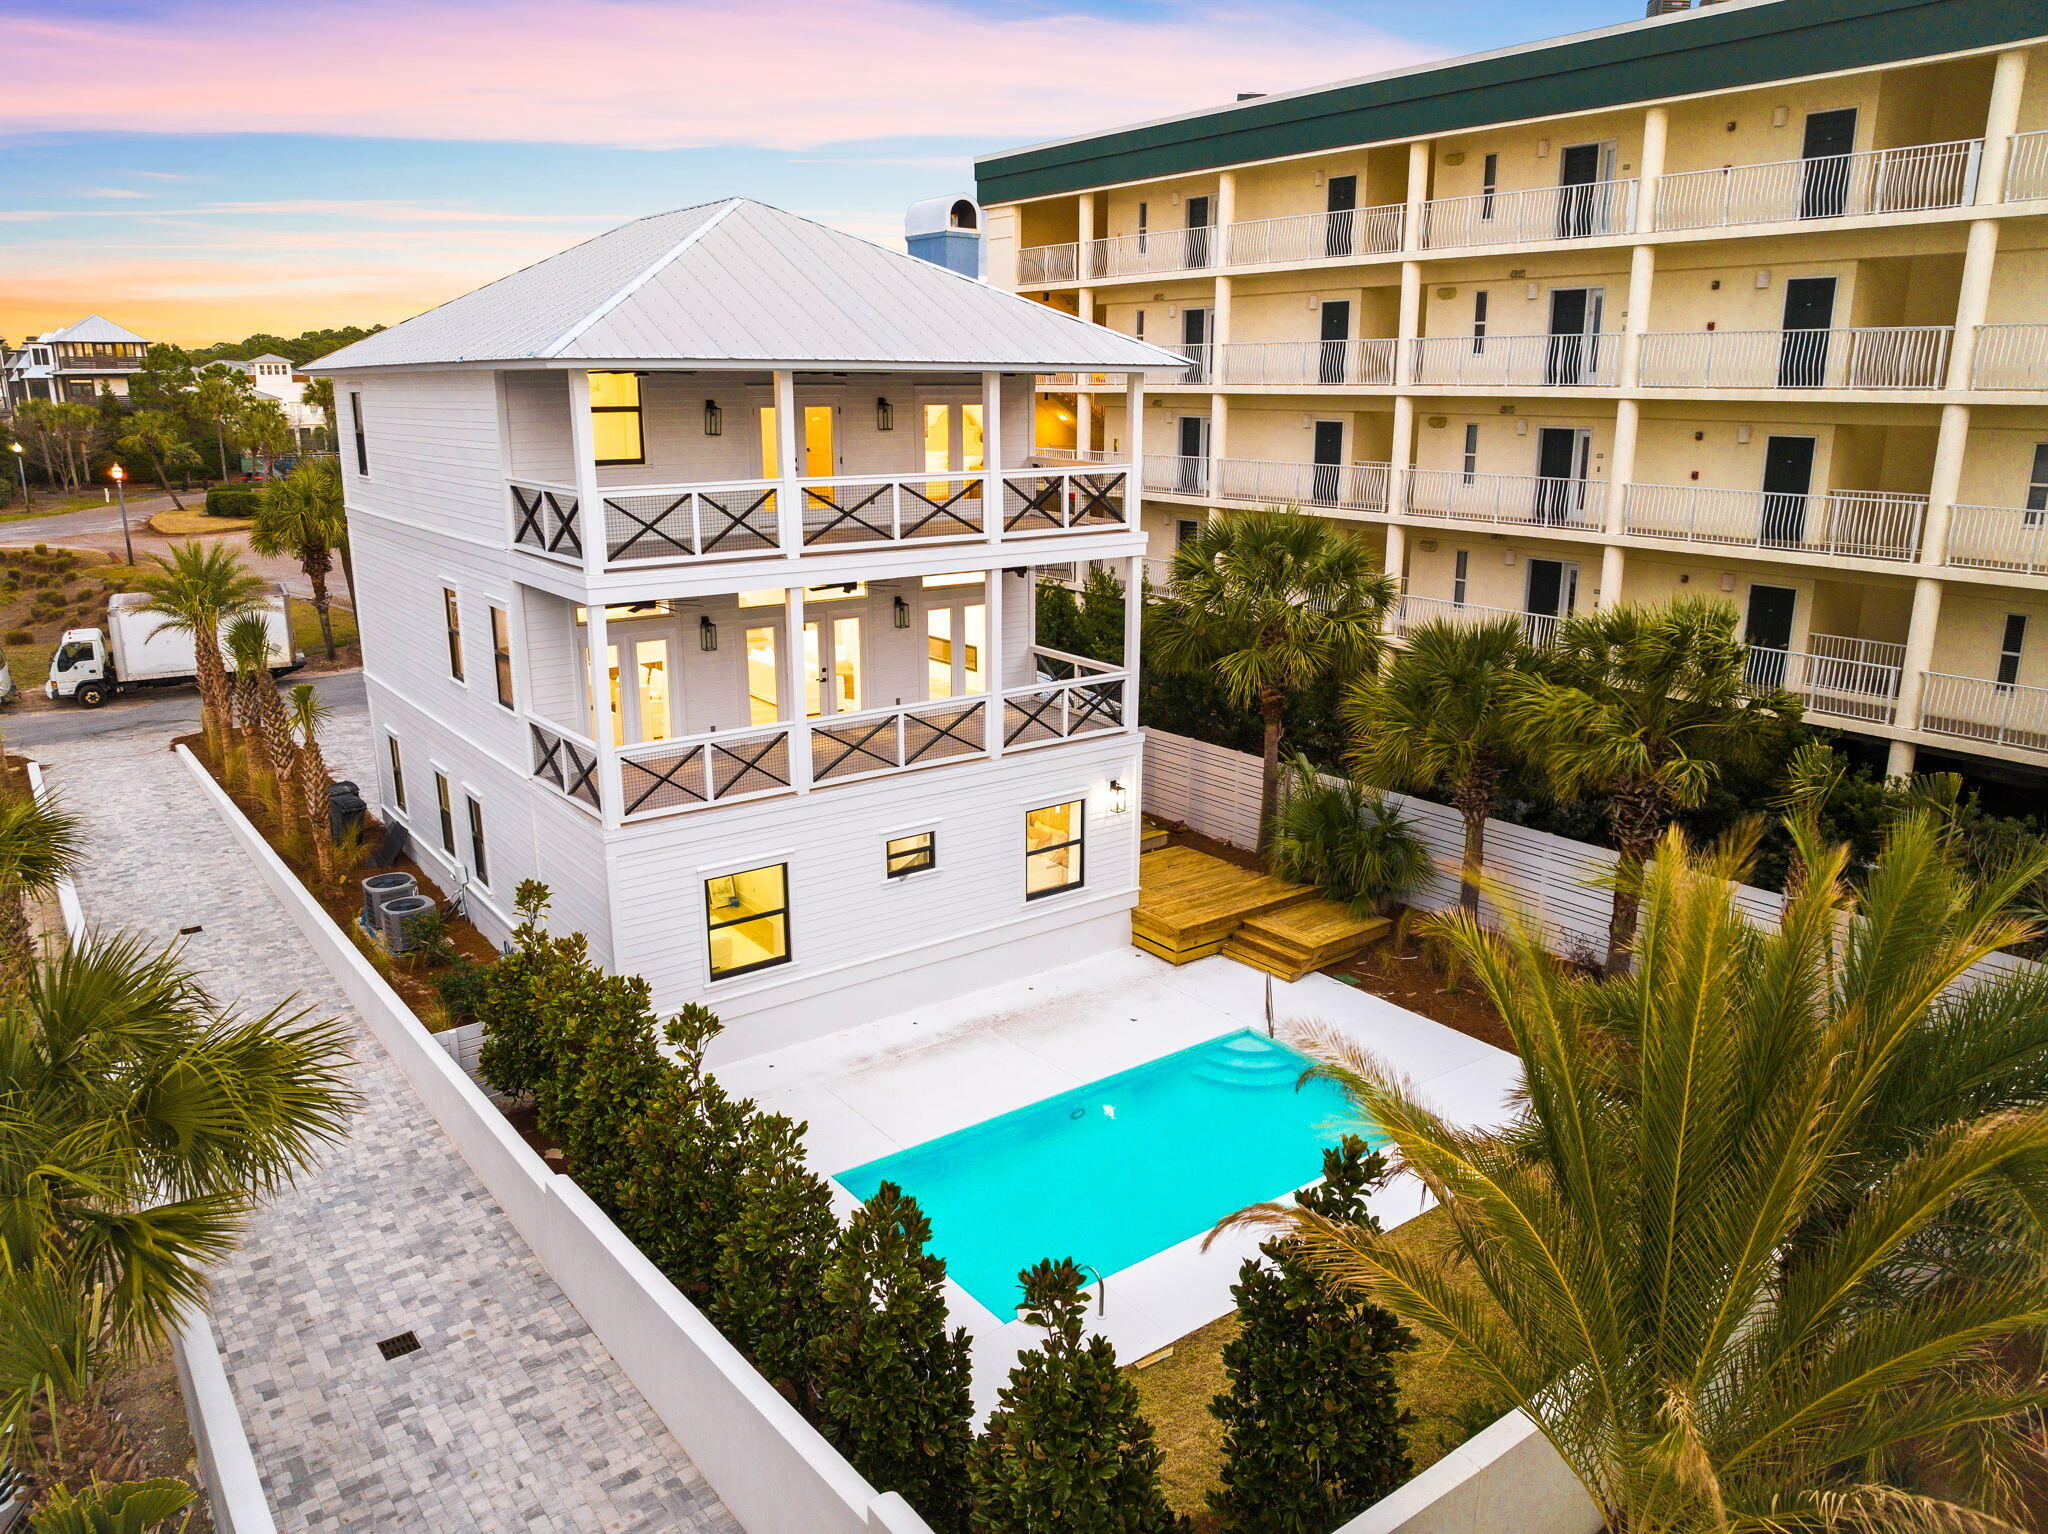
<point x="1455" y="157"/>
<point x="1319" y="178"/>
<point x="1507" y="558"/>
<point x="1779" y="117"/>
<point x="1176" y="199"/>
<point x="1542" y="147"/>
<point x="1446" y="292"/>
<point x="1535" y="291"/>
<point x="1521" y="426"/>
<point x="1743" y="434"/>
<point x="901" y="609"/>
<point x="1119" y="797"/>
<point x="1439" y="422"/>
<point x="1307" y="421"/>
<point x="1763" y="279"/>
<point x="885" y="415"/>
<point x="1314" y="303"/>
<point x="714" y="419"/>
<point x="707" y="634"/>
<point x="1727" y="580"/>
<point x="1173" y="311"/>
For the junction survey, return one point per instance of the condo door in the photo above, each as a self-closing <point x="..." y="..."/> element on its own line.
<point x="1563" y="456"/>
<point x="1340" y="233"/>
<point x="639" y="683"/>
<point x="1552" y="593"/>
<point x="1575" y="315"/>
<point x="1581" y="198"/>
<point x="1198" y="231"/>
<point x="1336" y="331"/>
<point x="1768" y="629"/>
<point x="1824" y="177"/>
<point x="832" y="666"/>
<point x="1191" y="469"/>
<point x="1197" y="329"/>
<point x="1788" y="479"/>
<point x="1809" y="314"/>
<point x="1327" y="474"/>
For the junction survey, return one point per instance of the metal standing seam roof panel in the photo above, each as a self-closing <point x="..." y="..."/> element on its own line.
<point x="739" y="281"/>
<point x="94" y="327"/>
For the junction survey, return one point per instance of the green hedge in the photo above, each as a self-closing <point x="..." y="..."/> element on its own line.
<point x="233" y="501"/>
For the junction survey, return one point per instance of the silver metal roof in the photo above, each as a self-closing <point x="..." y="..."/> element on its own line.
<point x="736" y="282"/>
<point x="93" y="327"/>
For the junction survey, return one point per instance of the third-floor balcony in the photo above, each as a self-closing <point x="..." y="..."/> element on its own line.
<point x="2026" y="167"/>
<point x="1267" y="482"/>
<point x="1518" y="500"/>
<point x="1862" y="357"/>
<point x="1864" y="524"/>
<point x="1908" y="180"/>
<point x="1555" y="361"/>
<point x="1310" y="364"/>
<point x="2011" y="357"/>
<point x="2013" y="538"/>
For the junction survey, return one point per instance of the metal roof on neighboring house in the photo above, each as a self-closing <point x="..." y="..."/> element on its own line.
<point x="737" y="282"/>
<point x="94" y="327"/>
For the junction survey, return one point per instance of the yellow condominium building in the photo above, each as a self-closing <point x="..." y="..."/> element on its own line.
<point x="1749" y="301"/>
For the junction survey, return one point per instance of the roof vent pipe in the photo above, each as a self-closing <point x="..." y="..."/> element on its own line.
<point x="945" y="231"/>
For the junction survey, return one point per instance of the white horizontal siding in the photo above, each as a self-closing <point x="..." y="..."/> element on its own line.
<point x="433" y="443"/>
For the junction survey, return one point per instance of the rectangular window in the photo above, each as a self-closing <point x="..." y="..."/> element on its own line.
<point x="451" y="611"/>
<point x="1478" y="322"/>
<point x="615" y="418"/>
<point x="1140" y="331"/>
<point x="1144" y="218"/>
<point x="1471" y="460"/>
<point x="397" y="774"/>
<point x="501" y="654"/>
<point x="2009" y="648"/>
<point x="747" y="918"/>
<point x="355" y="412"/>
<point x="2037" y="487"/>
<point x="1460" y="562"/>
<point x="446" y="806"/>
<point x="912" y="854"/>
<point x="1489" y="183"/>
<point x="764" y="679"/>
<point x="479" y="864"/>
<point x="1052" y="849"/>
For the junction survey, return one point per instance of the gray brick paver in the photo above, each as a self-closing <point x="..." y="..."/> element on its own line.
<point x="511" y="1417"/>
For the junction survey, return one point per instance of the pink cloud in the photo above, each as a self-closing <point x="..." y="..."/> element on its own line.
<point x="781" y="74"/>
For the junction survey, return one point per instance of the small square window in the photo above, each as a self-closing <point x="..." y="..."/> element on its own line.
<point x="912" y="854"/>
<point x="747" y="918"/>
<point x="1052" y="849"/>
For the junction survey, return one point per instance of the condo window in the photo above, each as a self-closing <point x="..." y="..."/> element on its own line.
<point x="1489" y="183"/>
<point x="911" y="854"/>
<point x="452" y="612"/>
<point x="1479" y="322"/>
<point x="615" y="418"/>
<point x="501" y="654"/>
<point x="355" y="413"/>
<point x="1144" y="218"/>
<point x="1471" y="459"/>
<point x="397" y="774"/>
<point x="2010" y="645"/>
<point x="2037" y="486"/>
<point x="446" y="806"/>
<point x="747" y="918"/>
<point x="1052" y="849"/>
<point x="479" y="864"/>
<point x="1460" y="563"/>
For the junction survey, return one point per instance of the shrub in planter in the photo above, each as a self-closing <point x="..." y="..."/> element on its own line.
<point x="767" y="1290"/>
<point x="464" y="989"/>
<point x="1346" y="840"/>
<point x="232" y="501"/>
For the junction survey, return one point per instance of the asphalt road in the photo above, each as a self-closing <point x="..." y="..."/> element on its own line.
<point x="93" y="519"/>
<point x="23" y="729"/>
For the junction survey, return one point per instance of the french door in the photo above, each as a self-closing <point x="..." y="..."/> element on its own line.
<point x="639" y="685"/>
<point x="832" y="666"/>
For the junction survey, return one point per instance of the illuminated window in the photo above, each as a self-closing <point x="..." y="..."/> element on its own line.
<point x="764" y="678"/>
<point x="446" y="806"/>
<point x="912" y="854"/>
<point x="451" y="611"/>
<point x="747" y="918"/>
<point x="615" y="418"/>
<point x="1052" y="849"/>
<point x="397" y="774"/>
<point x="501" y="654"/>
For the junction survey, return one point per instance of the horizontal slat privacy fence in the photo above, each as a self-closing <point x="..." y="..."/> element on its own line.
<point x="1561" y="883"/>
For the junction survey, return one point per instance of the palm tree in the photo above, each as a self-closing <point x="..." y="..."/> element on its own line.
<point x="301" y="515"/>
<point x="1345" y="839"/>
<point x="157" y="436"/>
<point x="222" y="395"/>
<point x="40" y="845"/>
<point x="267" y="429"/>
<point x="1641" y="705"/>
<point x="307" y="713"/>
<point x="1272" y="601"/>
<point x="1680" y="1262"/>
<point x="195" y="591"/>
<point x="262" y="710"/>
<point x="1434" y="718"/>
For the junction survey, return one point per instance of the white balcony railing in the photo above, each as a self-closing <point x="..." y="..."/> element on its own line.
<point x="1865" y="523"/>
<point x="2011" y="357"/>
<point x="2026" y="169"/>
<point x="1171" y="474"/>
<point x="1907" y="180"/>
<point x="1343" y="486"/>
<point x="1061" y="457"/>
<point x="880" y="740"/>
<point x="657" y="776"/>
<point x="1999" y="538"/>
<point x="1892" y="357"/>
<point x="1315" y="236"/>
<point x="1156" y="250"/>
<point x="1414" y="611"/>
<point x="1998" y="713"/>
<point x="1836" y="675"/>
<point x="1049" y="263"/>
<point x="1065" y="500"/>
<point x="1201" y="357"/>
<point x="1368" y="362"/>
<point x="1567" y="361"/>
<point x="1522" y="499"/>
<point x="1540" y="214"/>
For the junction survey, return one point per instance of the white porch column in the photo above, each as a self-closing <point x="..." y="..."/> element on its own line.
<point x="789" y="501"/>
<point x="1650" y="166"/>
<point x="1396" y="565"/>
<point x="1084" y="257"/>
<point x="2008" y="84"/>
<point x="1410" y="325"/>
<point x="1084" y="304"/>
<point x="1973" y="298"/>
<point x="1418" y="194"/>
<point x="1613" y="572"/>
<point x="795" y="680"/>
<point x="1134" y="448"/>
<point x="1226" y="215"/>
<point x="1621" y="461"/>
<point x="590" y="505"/>
<point x="1400" y="455"/>
<point x="992" y="459"/>
<point x="1219" y="328"/>
<point x="1219" y="442"/>
<point x="1919" y="655"/>
<point x="1950" y="443"/>
<point x="583" y="451"/>
<point x="996" y="661"/>
<point x="1642" y="287"/>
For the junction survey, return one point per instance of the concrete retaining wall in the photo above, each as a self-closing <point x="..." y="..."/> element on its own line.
<point x="1505" y="1478"/>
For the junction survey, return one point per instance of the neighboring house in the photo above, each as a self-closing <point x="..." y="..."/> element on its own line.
<point x="278" y="378"/>
<point x="94" y="356"/>
<point x="696" y="568"/>
<point x="1749" y="301"/>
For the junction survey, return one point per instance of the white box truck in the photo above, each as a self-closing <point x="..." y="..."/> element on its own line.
<point x="91" y="665"/>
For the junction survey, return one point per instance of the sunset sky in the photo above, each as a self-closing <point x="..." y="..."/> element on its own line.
<point x="201" y="169"/>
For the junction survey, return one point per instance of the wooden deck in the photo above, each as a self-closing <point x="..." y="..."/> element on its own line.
<point x="1190" y="903"/>
<point x="1299" y="939"/>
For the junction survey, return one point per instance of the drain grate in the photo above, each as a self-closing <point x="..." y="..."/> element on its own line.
<point x="188" y="931"/>
<point x="399" y="1346"/>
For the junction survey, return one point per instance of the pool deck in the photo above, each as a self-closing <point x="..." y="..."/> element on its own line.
<point x="902" y="1080"/>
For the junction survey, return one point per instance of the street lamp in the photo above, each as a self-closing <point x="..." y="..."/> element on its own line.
<point x="21" y="468"/>
<point x="120" y="475"/>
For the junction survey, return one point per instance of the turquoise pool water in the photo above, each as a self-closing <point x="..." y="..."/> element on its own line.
<point x="1114" y="1171"/>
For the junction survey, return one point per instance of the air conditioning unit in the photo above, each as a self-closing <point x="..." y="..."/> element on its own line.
<point x="399" y="922"/>
<point x="379" y="888"/>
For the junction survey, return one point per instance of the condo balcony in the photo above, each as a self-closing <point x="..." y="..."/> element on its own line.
<point x="1863" y="524"/>
<point x="1848" y="357"/>
<point x="1913" y="179"/>
<point x="1367" y="363"/>
<point x="1834" y="674"/>
<point x="1577" y="211"/>
<point x="1515" y="500"/>
<point x="1572" y="360"/>
<point x="2011" y="357"/>
<point x="2011" y="538"/>
<point x="1360" y="487"/>
<point x="1988" y="712"/>
<point x="1414" y="611"/>
<point x="2026" y="167"/>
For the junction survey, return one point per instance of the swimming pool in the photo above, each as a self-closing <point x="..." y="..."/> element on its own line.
<point x="1114" y="1171"/>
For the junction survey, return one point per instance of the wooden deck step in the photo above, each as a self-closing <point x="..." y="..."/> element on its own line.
<point x="1298" y="939"/>
<point x="1190" y="902"/>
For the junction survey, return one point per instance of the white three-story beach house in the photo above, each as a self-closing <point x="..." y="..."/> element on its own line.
<point x="697" y="567"/>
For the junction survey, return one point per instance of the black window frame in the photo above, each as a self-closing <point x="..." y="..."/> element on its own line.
<point x="355" y="411"/>
<point x="1489" y="183"/>
<point x="501" y="654"/>
<point x="444" y="802"/>
<point x="634" y="410"/>
<point x="1468" y="458"/>
<point x="1461" y="567"/>
<point x="2037" y="488"/>
<point x="1078" y="840"/>
<point x="1480" y="302"/>
<point x="929" y="853"/>
<point x="397" y="771"/>
<point x="788" y="953"/>
<point x="451" y="618"/>
<point x="479" y="858"/>
<point x="2012" y="644"/>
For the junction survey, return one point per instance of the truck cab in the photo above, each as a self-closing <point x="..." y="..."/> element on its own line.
<point x="79" y="670"/>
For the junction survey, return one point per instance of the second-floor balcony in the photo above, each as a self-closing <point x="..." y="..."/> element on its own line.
<point x="2026" y="167"/>
<point x="1309" y="364"/>
<point x="1581" y="210"/>
<point x="1266" y="482"/>
<point x="2011" y="357"/>
<point x="1553" y="361"/>
<point x="1835" y="674"/>
<point x="1865" y="357"/>
<point x="1989" y="712"/>
<point x="1907" y="180"/>
<point x="1864" y="524"/>
<point x="1519" y="500"/>
<point x="1413" y="612"/>
<point x="2013" y="538"/>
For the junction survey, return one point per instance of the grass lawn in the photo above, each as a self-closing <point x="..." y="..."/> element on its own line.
<point x="193" y="524"/>
<point x="1449" y="1404"/>
<point x="306" y="628"/>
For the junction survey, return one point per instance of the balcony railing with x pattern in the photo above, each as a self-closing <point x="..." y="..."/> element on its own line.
<point x="545" y="519"/>
<point x="880" y="740"/>
<point x="568" y="762"/>
<point x="703" y="769"/>
<point x="690" y="521"/>
<point x="886" y="509"/>
<point x="1047" y="712"/>
<point x="1061" y="499"/>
